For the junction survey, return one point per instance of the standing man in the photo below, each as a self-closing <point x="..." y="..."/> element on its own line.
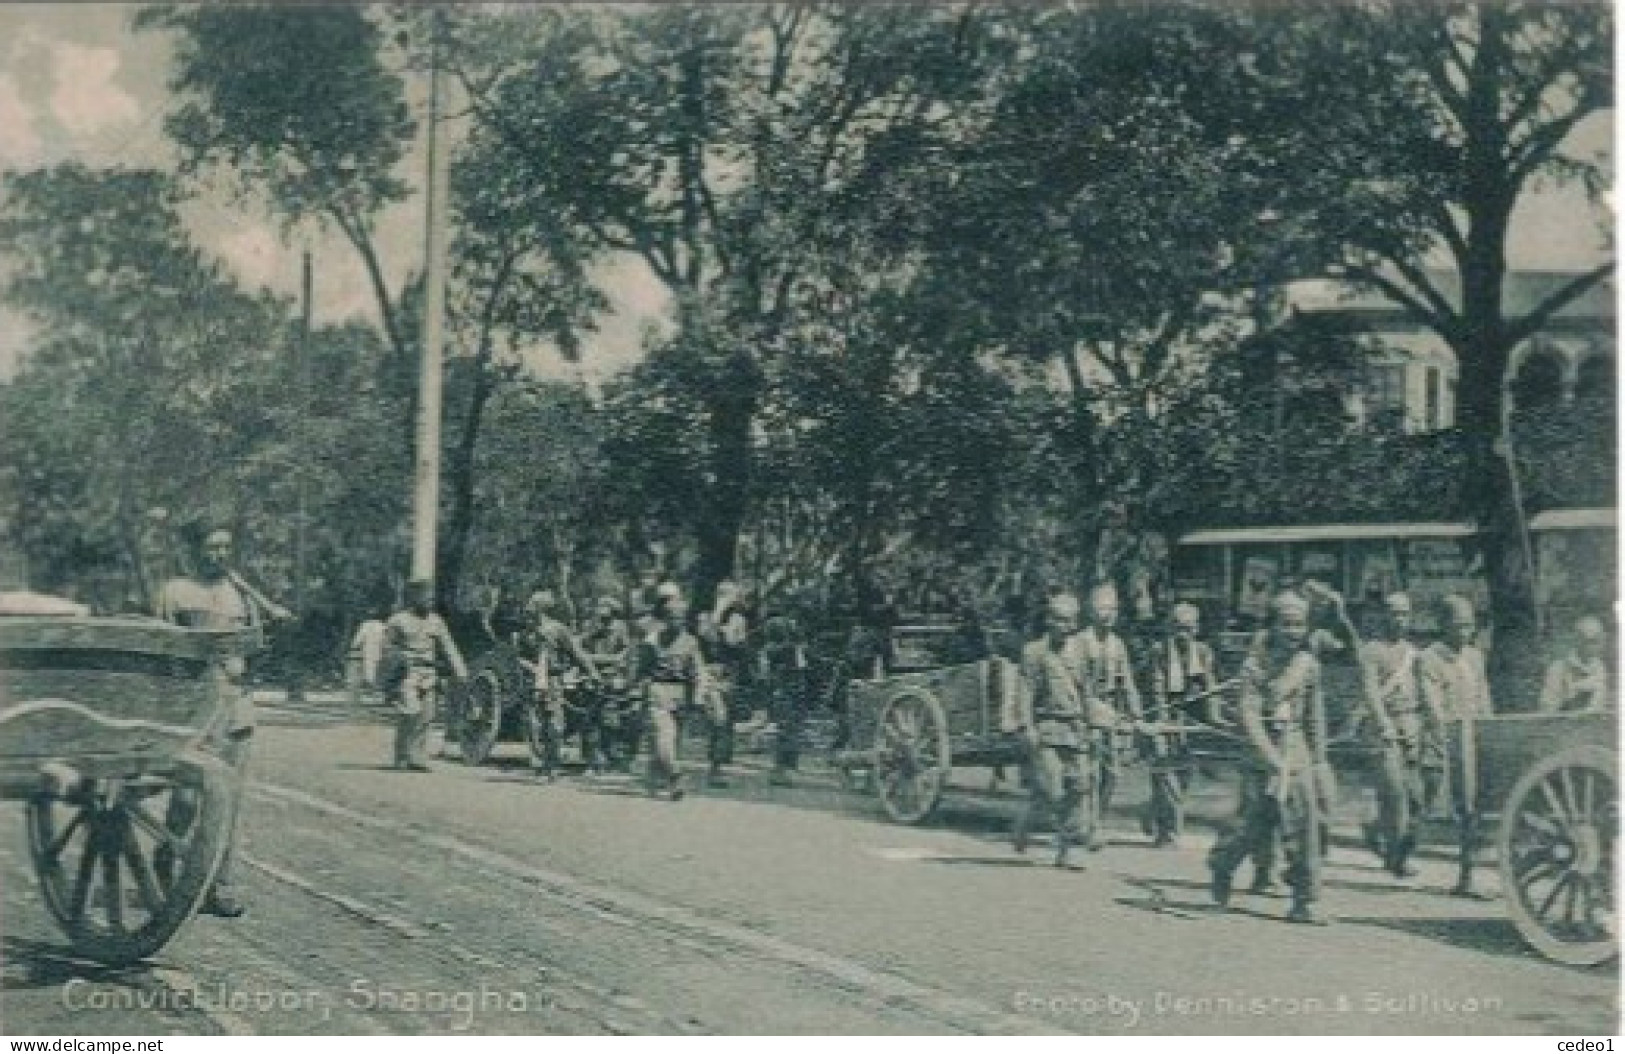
<point x="724" y="633"/>
<point x="1183" y="670"/>
<point x="1054" y="719"/>
<point x="366" y="654"/>
<point x="1107" y="677"/>
<point x="216" y="597"/>
<point x="1393" y="695"/>
<point x="670" y="667"/>
<point x="1579" y="680"/>
<point x="554" y="650"/>
<point x="413" y="640"/>
<point x="1456" y="693"/>
<point x="616" y="727"/>
<point x="1284" y="716"/>
<point x="783" y="673"/>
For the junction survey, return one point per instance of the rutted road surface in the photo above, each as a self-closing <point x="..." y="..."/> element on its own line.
<point x="476" y="900"/>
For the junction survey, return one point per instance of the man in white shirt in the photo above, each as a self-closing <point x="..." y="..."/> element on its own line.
<point x="366" y="653"/>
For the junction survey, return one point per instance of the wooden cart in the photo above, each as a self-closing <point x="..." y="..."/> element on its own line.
<point x="911" y="728"/>
<point x="105" y="726"/>
<point x="499" y="704"/>
<point x="1549" y="784"/>
<point x="1554" y="781"/>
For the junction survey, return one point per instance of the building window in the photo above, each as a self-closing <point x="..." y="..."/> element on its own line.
<point x="1433" y="418"/>
<point x="1385" y="392"/>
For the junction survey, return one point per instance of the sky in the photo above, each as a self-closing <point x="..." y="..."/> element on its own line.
<point x="77" y="84"/>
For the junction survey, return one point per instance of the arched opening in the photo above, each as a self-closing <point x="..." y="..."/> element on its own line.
<point x="1539" y="381"/>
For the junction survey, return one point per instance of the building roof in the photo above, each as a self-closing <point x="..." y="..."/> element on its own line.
<point x="1573" y="519"/>
<point x="1325" y="532"/>
<point x="1522" y="293"/>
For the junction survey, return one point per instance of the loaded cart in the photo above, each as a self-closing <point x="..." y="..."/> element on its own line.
<point x="911" y="728"/>
<point x="499" y="704"/>
<point x="105" y="725"/>
<point x="1554" y="780"/>
<point x="1550" y="783"/>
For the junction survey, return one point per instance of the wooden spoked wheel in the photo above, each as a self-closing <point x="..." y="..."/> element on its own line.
<point x="123" y="864"/>
<point x="480" y="715"/>
<point x="1558" y="851"/>
<point x="912" y="756"/>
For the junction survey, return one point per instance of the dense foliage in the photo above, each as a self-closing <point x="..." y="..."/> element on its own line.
<point x="980" y="294"/>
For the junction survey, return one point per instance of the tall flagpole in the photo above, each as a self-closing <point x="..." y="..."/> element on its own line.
<point x="426" y="495"/>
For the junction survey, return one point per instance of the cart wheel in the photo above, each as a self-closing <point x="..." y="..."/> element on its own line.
<point x="123" y="864"/>
<point x="1557" y="855"/>
<point x="912" y="758"/>
<point x="481" y="716"/>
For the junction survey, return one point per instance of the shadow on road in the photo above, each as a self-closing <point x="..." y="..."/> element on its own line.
<point x="45" y="965"/>
<point x="1494" y="936"/>
<point x="1383" y="889"/>
<point x="988" y="861"/>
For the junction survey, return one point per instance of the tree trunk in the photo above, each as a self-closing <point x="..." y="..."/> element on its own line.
<point x="733" y="413"/>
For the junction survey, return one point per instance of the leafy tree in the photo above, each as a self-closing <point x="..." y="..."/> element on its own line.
<point x="295" y="106"/>
<point x="112" y="412"/>
<point x="161" y="396"/>
<point x="305" y="108"/>
<point x="1478" y="102"/>
<point x="735" y="151"/>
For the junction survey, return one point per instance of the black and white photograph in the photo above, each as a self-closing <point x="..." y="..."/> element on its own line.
<point x="972" y="517"/>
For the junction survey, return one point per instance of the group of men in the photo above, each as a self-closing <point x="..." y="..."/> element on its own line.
<point x="1079" y="714"/>
<point x="670" y="663"/>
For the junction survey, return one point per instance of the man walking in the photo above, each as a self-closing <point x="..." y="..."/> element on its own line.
<point x="1284" y="717"/>
<point x="1107" y="677"/>
<point x="616" y="727"/>
<point x="216" y="597"/>
<point x="554" y="651"/>
<point x="724" y="634"/>
<point x="365" y="656"/>
<point x="669" y="666"/>
<point x="1456" y="693"/>
<point x="1054" y="719"/>
<point x="1183" y="670"/>
<point x="1393" y="696"/>
<point x="783" y="674"/>
<point x="414" y="639"/>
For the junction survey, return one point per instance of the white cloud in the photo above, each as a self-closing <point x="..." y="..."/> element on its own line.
<point x="19" y="140"/>
<point x="85" y="101"/>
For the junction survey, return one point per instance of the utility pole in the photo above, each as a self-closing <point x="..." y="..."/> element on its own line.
<point x="296" y="674"/>
<point x="426" y="495"/>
